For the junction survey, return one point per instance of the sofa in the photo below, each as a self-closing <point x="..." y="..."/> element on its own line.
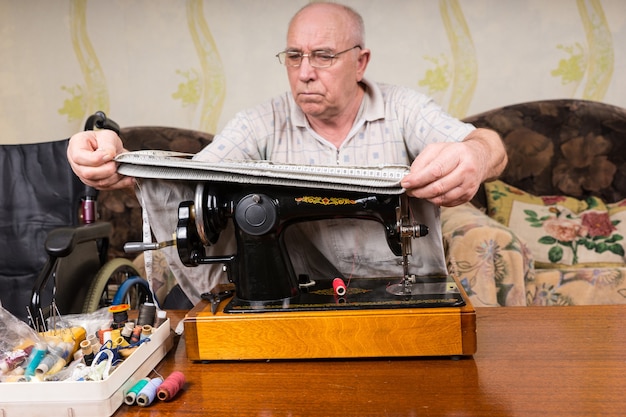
<point x="565" y="156"/>
<point x="550" y="230"/>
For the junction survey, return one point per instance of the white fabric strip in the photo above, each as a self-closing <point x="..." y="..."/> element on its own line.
<point x="180" y="166"/>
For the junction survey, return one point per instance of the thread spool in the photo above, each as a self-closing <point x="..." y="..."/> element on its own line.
<point x="127" y="331"/>
<point x="87" y="349"/>
<point x="35" y="357"/>
<point x="131" y="395"/>
<point x="48" y="361"/>
<point x="57" y="367"/>
<point x="136" y="334"/>
<point x="339" y="287"/>
<point x="147" y="313"/>
<point x="148" y="393"/>
<point x="120" y="315"/>
<point x="170" y="387"/>
<point x="104" y="335"/>
<point x="115" y="335"/>
<point x="95" y="342"/>
<point x="146" y="332"/>
<point x="120" y="342"/>
<point x="161" y="316"/>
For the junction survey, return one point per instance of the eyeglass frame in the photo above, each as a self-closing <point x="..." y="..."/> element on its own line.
<point x="314" y="53"/>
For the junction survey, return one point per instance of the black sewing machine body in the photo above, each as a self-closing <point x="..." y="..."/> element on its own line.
<point x="261" y="269"/>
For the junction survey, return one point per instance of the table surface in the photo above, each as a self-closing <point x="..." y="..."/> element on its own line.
<point x="543" y="361"/>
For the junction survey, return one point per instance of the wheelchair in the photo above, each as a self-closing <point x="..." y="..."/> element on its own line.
<point x="45" y="206"/>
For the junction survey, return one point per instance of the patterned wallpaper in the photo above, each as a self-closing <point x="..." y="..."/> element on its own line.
<point x="194" y="63"/>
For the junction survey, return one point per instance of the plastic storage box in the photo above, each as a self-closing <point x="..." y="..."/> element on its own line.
<point x="85" y="398"/>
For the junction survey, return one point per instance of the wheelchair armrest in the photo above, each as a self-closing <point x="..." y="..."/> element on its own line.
<point x="60" y="242"/>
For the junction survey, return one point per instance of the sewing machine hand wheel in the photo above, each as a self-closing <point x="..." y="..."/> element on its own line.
<point x="199" y="224"/>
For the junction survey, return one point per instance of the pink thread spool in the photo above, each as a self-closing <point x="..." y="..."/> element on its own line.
<point x="170" y="387"/>
<point x="339" y="286"/>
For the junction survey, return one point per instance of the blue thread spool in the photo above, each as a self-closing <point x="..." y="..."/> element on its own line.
<point x="34" y="359"/>
<point x="148" y="393"/>
<point x="131" y="395"/>
<point x="46" y="363"/>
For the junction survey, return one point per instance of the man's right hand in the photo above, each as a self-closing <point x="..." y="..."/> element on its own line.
<point x="90" y="154"/>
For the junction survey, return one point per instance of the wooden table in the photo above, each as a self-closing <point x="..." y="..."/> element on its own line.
<point x="531" y="361"/>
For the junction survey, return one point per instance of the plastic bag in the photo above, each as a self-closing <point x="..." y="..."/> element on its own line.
<point x="91" y="322"/>
<point x="17" y="341"/>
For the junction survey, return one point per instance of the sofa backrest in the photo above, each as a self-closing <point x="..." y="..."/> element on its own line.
<point x="562" y="147"/>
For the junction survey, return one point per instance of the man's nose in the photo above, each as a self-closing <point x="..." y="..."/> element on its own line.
<point x="306" y="71"/>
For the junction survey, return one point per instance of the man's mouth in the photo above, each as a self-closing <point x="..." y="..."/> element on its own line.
<point x="309" y="94"/>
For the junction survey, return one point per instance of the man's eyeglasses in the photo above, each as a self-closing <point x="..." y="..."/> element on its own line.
<point x="317" y="59"/>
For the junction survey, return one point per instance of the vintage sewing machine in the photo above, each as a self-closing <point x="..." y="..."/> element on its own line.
<point x="273" y="313"/>
<point x="270" y="310"/>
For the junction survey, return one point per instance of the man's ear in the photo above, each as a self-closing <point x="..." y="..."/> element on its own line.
<point x="361" y="62"/>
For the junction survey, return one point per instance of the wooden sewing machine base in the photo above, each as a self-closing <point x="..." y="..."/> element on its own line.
<point x="349" y="333"/>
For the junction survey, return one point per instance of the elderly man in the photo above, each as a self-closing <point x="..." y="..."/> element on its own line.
<point x="334" y="116"/>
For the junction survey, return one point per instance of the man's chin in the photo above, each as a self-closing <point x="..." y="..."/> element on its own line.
<point x="310" y="108"/>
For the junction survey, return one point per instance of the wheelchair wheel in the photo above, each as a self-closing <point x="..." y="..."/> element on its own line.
<point x="110" y="277"/>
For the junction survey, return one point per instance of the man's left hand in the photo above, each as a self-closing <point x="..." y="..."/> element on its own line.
<point x="449" y="174"/>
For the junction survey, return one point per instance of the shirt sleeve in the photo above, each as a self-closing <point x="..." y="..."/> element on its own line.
<point x="250" y="134"/>
<point x="236" y="142"/>
<point x="423" y="121"/>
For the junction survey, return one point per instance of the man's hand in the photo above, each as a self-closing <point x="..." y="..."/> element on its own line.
<point x="449" y="174"/>
<point x="90" y="154"/>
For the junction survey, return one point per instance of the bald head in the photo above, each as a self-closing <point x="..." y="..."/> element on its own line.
<point x="338" y="17"/>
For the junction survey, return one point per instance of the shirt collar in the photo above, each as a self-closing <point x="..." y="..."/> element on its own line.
<point x="373" y="106"/>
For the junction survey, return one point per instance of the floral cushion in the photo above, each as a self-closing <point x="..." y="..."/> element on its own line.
<point x="577" y="286"/>
<point x="561" y="231"/>
<point x="491" y="263"/>
<point x="496" y="268"/>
